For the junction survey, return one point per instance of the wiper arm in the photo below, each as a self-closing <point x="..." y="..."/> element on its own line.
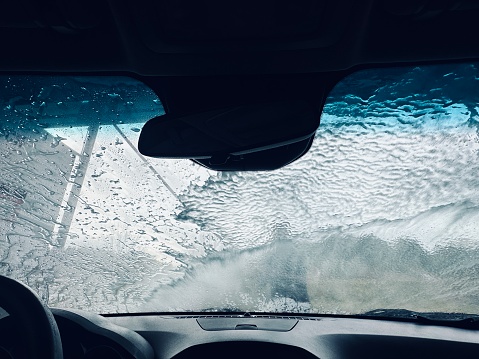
<point x="466" y="323"/>
<point x="457" y="320"/>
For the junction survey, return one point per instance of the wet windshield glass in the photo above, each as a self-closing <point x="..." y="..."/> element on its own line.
<point x="381" y="213"/>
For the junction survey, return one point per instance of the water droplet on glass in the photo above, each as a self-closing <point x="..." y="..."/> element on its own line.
<point x="55" y="142"/>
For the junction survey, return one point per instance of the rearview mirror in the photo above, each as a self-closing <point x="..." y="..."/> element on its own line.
<point x="245" y="137"/>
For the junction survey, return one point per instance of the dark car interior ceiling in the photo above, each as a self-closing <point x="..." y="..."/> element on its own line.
<point x="215" y="37"/>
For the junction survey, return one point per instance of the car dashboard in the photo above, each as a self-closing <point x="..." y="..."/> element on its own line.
<point x="86" y="335"/>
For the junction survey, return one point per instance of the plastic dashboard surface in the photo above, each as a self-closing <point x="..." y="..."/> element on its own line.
<point x="261" y="337"/>
<point x="86" y="335"/>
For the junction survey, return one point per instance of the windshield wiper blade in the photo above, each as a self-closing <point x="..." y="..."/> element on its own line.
<point x="457" y="320"/>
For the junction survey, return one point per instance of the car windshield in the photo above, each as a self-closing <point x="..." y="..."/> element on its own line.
<point x="382" y="212"/>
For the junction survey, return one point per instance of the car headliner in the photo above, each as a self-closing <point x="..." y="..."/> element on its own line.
<point x="137" y="36"/>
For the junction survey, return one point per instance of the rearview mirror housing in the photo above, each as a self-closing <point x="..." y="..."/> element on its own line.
<point x="262" y="136"/>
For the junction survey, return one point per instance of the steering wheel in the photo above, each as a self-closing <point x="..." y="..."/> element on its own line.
<point x="39" y="335"/>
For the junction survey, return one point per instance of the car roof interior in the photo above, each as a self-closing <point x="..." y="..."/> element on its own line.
<point x="213" y="37"/>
